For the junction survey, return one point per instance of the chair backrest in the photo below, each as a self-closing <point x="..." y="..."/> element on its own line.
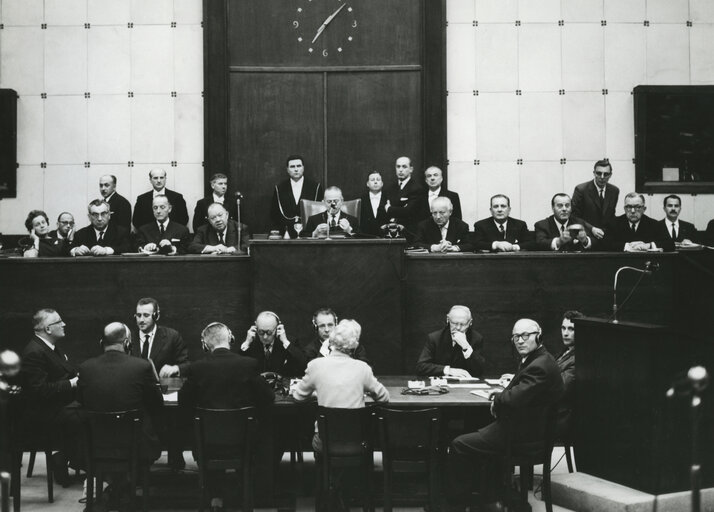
<point x="309" y="208"/>
<point x="344" y="432"/>
<point x="409" y="434"/>
<point x="223" y="434"/>
<point x="113" y="435"/>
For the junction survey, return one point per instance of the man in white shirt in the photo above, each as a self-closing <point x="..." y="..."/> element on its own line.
<point x="120" y="207"/>
<point x="163" y="235"/>
<point x="219" y="187"/>
<point x="677" y="230"/>
<point x="285" y="205"/>
<point x="562" y="231"/>
<point x="101" y="237"/>
<point x="373" y="215"/>
<point x="404" y="197"/>
<point x="143" y="213"/>
<point x="65" y="227"/>
<point x="434" y="178"/>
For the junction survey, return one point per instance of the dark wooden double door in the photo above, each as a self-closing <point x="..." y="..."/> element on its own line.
<point x="348" y="113"/>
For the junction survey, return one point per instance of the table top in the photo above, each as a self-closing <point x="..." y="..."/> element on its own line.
<point x="459" y="396"/>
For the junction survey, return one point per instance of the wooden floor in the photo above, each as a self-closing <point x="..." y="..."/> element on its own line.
<point x="178" y="492"/>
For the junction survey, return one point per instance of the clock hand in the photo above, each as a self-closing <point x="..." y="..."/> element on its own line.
<point x="327" y="22"/>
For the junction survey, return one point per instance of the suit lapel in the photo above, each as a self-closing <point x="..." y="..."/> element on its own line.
<point x="159" y="342"/>
<point x="54" y="356"/>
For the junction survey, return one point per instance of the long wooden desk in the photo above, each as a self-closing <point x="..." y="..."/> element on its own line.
<point x="397" y="298"/>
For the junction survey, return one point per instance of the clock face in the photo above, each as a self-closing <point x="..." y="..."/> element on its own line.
<point x="324" y="27"/>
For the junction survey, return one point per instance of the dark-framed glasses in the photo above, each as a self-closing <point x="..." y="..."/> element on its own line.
<point x="524" y="336"/>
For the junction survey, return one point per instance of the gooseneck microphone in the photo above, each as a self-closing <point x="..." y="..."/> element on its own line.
<point x="238" y="197"/>
<point x="650" y="268"/>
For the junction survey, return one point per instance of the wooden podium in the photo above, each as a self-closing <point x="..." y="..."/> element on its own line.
<point x="626" y="430"/>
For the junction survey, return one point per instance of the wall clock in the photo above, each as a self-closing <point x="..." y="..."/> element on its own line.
<point x="325" y="27"/>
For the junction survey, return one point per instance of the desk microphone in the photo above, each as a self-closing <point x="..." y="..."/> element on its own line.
<point x="238" y="195"/>
<point x="696" y="381"/>
<point x="650" y="268"/>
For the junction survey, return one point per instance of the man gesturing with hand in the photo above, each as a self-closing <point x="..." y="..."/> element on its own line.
<point x="455" y="350"/>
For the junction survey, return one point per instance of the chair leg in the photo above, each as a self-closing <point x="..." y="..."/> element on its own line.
<point x="387" y="484"/>
<point x="31" y="464"/>
<point x="15" y="475"/>
<point x="525" y="486"/>
<point x="50" y="486"/>
<point x="569" y="457"/>
<point x="90" y="489"/>
<point x="145" y="489"/>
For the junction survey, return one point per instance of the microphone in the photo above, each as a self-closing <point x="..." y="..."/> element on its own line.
<point x="696" y="381"/>
<point x="650" y="268"/>
<point x="238" y="195"/>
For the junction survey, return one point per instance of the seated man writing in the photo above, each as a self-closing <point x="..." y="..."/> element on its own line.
<point x="333" y="221"/>
<point x="441" y="233"/>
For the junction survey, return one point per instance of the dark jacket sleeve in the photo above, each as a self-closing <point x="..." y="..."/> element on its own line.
<point x="426" y="364"/>
<point x="465" y="237"/>
<point x="37" y="381"/>
<point x="577" y="202"/>
<point x="476" y="362"/>
<point x="180" y="354"/>
<point x="153" y="399"/>
<point x="522" y="394"/>
<point x="296" y="360"/>
<point x="542" y="236"/>
<point x="179" y="213"/>
<point x="199" y="242"/>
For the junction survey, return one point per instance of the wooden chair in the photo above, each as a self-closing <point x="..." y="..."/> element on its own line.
<point x="345" y="435"/>
<point x="225" y="440"/>
<point x="528" y="454"/>
<point x="113" y="444"/>
<point x="23" y="441"/>
<point x="410" y="444"/>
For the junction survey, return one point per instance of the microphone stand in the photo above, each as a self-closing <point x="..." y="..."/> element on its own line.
<point x="238" y="196"/>
<point x="649" y="268"/>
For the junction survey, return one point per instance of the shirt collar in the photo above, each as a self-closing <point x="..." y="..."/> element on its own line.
<point x="151" y="334"/>
<point x="217" y="199"/>
<point x="110" y="196"/>
<point x="49" y="345"/>
<point x="505" y="223"/>
<point x="435" y="192"/>
<point x="96" y="231"/>
<point x="598" y="188"/>
<point x="155" y="193"/>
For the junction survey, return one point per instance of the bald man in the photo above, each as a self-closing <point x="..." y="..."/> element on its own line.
<point x="220" y="235"/>
<point x="143" y="212"/>
<point x="442" y="232"/>
<point x="537" y="383"/>
<point x="272" y="349"/>
<point x="455" y="350"/>
<point x="116" y="381"/>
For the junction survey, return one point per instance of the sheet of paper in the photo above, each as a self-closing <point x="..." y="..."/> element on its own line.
<point x="493" y="382"/>
<point x="481" y="393"/>
<point x="171" y="397"/>
<point x="473" y="385"/>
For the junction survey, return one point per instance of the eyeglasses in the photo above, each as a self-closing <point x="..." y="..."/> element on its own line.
<point x="633" y="207"/>
<point x="603" y="174"/>
<point x="96" y="215"/>
<point x="524" y="336"/>
<point x="332" y="201"/>
<point x="263" y="332"/>
<point x="60" y="321"/>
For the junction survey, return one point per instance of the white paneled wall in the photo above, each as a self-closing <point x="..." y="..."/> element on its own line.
<point x="559" y="54"/>
<point x="54" y="52"/>
<point x="527" y="82"/>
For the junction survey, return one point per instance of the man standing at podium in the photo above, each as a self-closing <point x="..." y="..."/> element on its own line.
<point x="537" y="382"/>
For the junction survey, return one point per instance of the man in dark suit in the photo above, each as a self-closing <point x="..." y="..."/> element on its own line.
<point x="163" y="235"/>
<point x="274" y="352"/>
<point x="221" y="235"/>
<point x="434" y="179"/>
<point x="403" y="197"/>
<point x="143" y="213"/>
<point x="116" y="381"/>
<point x="324" y="321"/>
<point x="373" y="215"/>
<point x="49" y="382"/>
<point x="562" y="231"/>
<point x="537" y="383"/>
<point x="102" y="237"/>
<point x="455" y="350"/>
<point x="223" y="380"/>
<point x="219" y="187"/>
<point x="163" y="345"/>
<point x="442" y="233"/>
<point x="65" y="228"/>
<point x="596" y="200"/>
<point x="566" y="364"/>
<point x="169" y="355"/>
<point x="285" y="205"/>
<point x="120" y="207"/>
<point x="634" y="231"/>
<point x="672" y="227"/>
<point x="333" y="220"/>
<point x="501" y="232"/>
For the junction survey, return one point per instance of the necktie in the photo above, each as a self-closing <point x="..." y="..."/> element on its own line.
<point x="145" y="347"/>
<point x="333" y="222"/>
<point x="562" y="229"/>
<point x="220" y="238"/>
<point x="503" y="231"/>
<point x="602" y="194"/>
<point x="100" y="238"/>
<point x="633" y="228"/>
<point x="267" y="352"/>
<point x="674" y="232"/>
<point x="161" y="229"/>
